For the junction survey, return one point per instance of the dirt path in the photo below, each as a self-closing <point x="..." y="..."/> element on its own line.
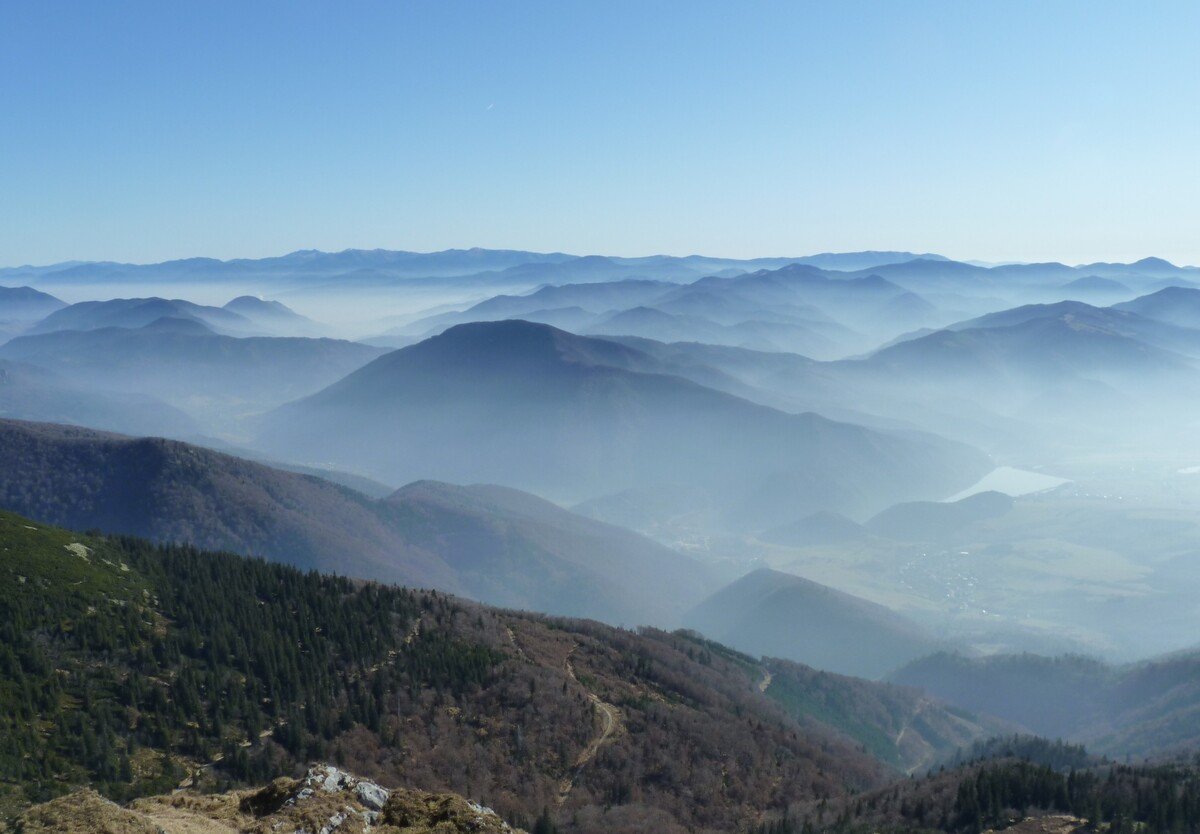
<point x="765" y="683"/>
<point x="413" y="633"/>
<point x="610" y="723"/>
<point x="928" y="757"/>
<point x="512" y="638"/>
<point x="921" y="704"/>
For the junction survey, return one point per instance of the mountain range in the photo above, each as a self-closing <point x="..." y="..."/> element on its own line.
<point x="181" y="361"/>
<point x="1144" y="708"/>
<point x="450" y="262"/>
<point x="26" y="304"/>
<point x="468" y="261"/>
<point x="138" y="312"/>
<point x="571" y="456"/>
<point x="575" y="418"/>
<point x="1179" y="306"/>
<point x="796" y="307"/>
<point x="490" y="543"/>
<point x="1023" y="378"/>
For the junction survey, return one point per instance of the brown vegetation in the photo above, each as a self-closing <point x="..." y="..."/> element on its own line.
<point x="326" y="799"/>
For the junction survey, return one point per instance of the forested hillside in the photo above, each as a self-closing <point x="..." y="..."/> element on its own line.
<point x="134" y="668"/>
<point x="996" y="793"/>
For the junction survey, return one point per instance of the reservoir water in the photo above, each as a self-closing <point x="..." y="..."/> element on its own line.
<point x="1011" y="481"/>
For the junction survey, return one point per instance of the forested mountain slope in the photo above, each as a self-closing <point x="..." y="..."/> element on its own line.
<point x="132" y="667"/>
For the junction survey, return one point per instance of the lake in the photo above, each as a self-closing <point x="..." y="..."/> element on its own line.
<point x="1011" y="481"/>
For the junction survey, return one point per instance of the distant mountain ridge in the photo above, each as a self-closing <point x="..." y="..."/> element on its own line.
<point x="1120" y="319"/>
<point x="446" y="262"/>
<point x="930" y="520"/>
<point x="468" y="270"/>
<point x="490" y="543"/>
<point x="782" y="615"/>
<point x="26" y="304"/>
<point x="1135" y="709"/>
<point x="28" y="392"/>
<point x="577" y="418"/>
<point x="274" y="317"/>
<point x="996" y="381"/>
<point x="212" y="376"/>
<point x="1094" y="284"/>
<point x="1174" y="305"/>
<point x="138" y="312"/>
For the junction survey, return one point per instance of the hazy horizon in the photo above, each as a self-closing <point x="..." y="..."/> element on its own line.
<point x="966" y="258"/>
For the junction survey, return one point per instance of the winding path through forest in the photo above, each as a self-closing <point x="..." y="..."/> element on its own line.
<point x="610" y="722"/>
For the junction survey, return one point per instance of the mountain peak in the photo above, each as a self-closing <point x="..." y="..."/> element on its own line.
<point x="776" y="614"/>
<point x="1154" y="263"/>
<point x="178" y="324"/>
<point x="253" y="304"/>
<point x="513" y="343"/>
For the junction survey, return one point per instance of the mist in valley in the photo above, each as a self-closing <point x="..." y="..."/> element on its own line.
<point x="669" y="397"/>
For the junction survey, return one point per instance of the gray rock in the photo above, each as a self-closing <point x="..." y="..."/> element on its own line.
<point x="372" y="795"/>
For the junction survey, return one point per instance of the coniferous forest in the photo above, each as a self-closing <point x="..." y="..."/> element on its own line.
<point x="123" y="662"/>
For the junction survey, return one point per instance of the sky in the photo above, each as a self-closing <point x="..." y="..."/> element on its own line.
<point x="995" y="131"/>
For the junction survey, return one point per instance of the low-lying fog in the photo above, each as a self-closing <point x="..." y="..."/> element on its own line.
<point x="1007" y="457"/>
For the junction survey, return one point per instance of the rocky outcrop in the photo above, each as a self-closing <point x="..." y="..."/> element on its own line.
<point x="326" y="800"/>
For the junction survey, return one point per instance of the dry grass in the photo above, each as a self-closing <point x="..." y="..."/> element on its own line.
<point x="326" y="799"/>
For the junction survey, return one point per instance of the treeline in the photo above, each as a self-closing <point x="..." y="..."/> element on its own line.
<point x="1119" y="798"/>
<point x="994" y="794"/>
<point x="1057" y="754"/>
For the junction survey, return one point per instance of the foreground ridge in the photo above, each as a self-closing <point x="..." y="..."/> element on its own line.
<point x="325" y="800"/>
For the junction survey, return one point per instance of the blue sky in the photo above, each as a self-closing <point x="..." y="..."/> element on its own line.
<point x="1006" y="130"/>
